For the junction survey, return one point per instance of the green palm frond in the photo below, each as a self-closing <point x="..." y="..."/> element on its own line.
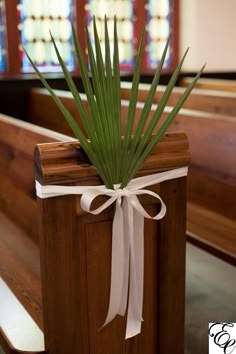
<point x="116" y="158"/>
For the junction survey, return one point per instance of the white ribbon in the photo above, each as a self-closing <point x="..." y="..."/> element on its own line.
<point x="127" y="266"/>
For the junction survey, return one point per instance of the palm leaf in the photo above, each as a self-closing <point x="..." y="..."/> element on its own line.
<point x="149" y="100"/>
<point x="117" y="99"/>
<point x="133" y="97"/>
<point x="116" y="159"/>
<point x="161" y="106"/>
<point x="139" y="159"/>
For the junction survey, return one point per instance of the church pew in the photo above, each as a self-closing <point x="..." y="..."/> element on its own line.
<point x="211" y="84"/>
<point x="64" y="299"/>
<point x="200" y="99"/>
<point x="211" y="183"/>
<point x="21" y="323"/>
<point x="76" y="268"/>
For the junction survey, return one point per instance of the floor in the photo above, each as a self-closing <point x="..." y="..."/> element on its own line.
<point x="210" y="297"/>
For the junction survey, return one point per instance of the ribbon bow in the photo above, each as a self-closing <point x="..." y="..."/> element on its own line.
<point x="127" y="266"/>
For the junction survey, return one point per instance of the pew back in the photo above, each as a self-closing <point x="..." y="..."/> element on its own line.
<point x="200" y="99"/>
<point x="43" y="111"/>
<point x="17" y="143"/>
<point x="211" y="84"/>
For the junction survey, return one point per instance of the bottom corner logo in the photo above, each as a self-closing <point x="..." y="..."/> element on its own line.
<point x="222" y="338"/>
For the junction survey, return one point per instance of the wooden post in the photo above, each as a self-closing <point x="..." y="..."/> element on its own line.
<point x="76" y="255"/>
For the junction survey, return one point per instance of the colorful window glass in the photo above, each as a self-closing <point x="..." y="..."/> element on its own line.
<point x="123" y="10"/>
<point x="2" y="37"/>
<point x="158" y="28"/>
<point x="36" y="19"/>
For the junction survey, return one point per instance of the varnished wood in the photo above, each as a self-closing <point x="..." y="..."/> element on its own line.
<point x="98" y="260"/>
<point x="211" y="84"/>
<point x="58" y="160"/>
<point x="218" y="232"/>
<point x="43" y="111"/>
<point x="75" y="259"/>
<point x="17" y="143"/>
<point x="19" y="252"/>
<point x="212" y="184"/>
<point x="200" y="99"/>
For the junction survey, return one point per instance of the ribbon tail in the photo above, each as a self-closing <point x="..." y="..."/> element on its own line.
<point x="117" y="262"/>
<point x="139" y="257"/>
<point x="135" y="306"/>
<point x="125" y="287"/>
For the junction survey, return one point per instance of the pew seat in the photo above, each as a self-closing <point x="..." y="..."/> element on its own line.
<point x="21" y="322"/>
<point x="211" y="181"/>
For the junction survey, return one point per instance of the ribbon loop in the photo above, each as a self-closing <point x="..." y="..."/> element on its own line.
<point x="127" y="266"/>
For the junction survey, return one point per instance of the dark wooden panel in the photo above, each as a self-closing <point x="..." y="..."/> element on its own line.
<point x="19" y="87"/>
<point x="111" y="338"/>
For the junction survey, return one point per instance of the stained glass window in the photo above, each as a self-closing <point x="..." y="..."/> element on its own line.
<point x="26" y="23"/>
<point x="158" y="28"/>
<point x="123" y="10"/>
<point x="36" y="19"/>
<point x="2" y="37"/>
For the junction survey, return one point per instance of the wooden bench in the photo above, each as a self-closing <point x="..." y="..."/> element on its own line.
<point x="76" y="268"/>
<point x="211" y="84"/>
<point x="211" y="183"/>
<point x="54" y="286"/>
<point x="200" y="99"/>
<point x="21" y="322"/>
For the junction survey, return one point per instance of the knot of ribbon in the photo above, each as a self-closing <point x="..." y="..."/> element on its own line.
<point x="127" y="264"/>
